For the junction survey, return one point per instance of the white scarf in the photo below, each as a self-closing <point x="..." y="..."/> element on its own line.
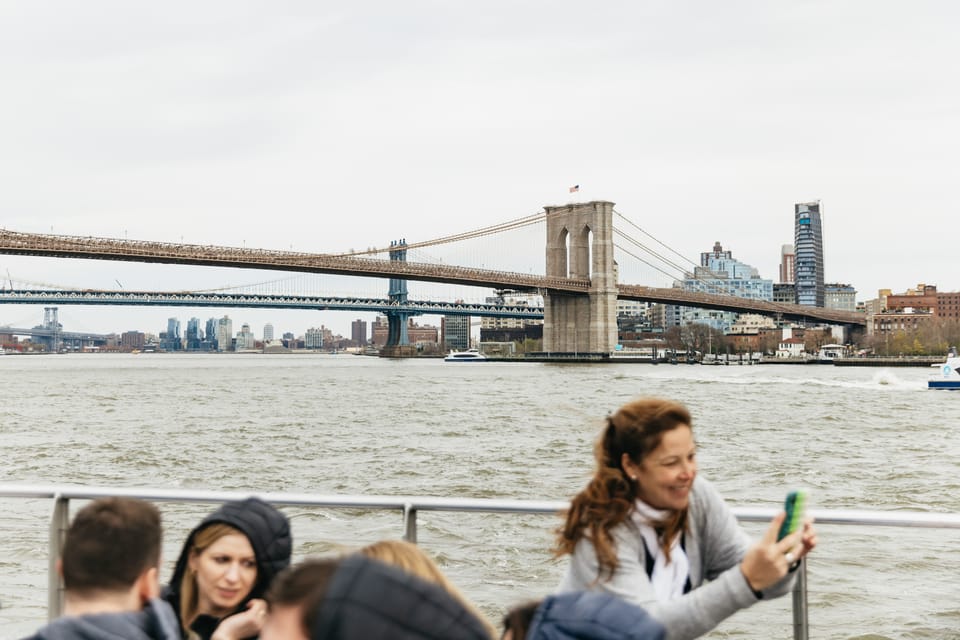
<point x="668" y="578"/>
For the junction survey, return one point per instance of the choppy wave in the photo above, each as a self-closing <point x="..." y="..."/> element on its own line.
<point x="857" y="437"/>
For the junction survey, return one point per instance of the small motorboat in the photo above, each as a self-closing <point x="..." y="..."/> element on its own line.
<point x="948" y="376"/>
<point x="470" y="355"/>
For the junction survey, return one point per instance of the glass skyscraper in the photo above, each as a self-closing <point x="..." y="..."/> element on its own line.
<point x="808" y="245"/>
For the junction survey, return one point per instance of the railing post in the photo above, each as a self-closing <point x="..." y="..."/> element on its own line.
<point x="409" y="523"/>
<point x="59" y="521"/>
<point x="801" y="624"/>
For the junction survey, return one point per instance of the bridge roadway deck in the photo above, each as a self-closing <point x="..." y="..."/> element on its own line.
<point x="58" y="246"/>
<point x="232" y="300"/>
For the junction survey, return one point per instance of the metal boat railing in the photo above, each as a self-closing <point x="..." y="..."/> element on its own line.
<point x="409" y="506"/>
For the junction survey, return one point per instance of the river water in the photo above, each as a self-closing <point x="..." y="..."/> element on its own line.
<point x="859" y="438"/>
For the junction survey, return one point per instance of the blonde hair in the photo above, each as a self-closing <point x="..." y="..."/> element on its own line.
<point x="189" y="596"/>
<point x="412" y="559"/>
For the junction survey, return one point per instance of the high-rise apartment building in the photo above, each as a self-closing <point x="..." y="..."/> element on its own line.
<point x="456" y="332"/>
<point x="267" y="333"/>
<point x="244" y="340"/>
<point x="788" y="264"/>
<point x="225" y="334"/>
<point x="808" y="241"/>
<point x="194" y="337"/>
<point x="720" y="273"/>
<point x="358" y="331"/>
<point x="313" y="338"/>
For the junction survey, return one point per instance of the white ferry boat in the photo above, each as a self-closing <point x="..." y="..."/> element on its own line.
<point x="470" y="355"/>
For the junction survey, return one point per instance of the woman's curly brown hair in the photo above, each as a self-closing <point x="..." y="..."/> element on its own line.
<point x="635" y="429"/>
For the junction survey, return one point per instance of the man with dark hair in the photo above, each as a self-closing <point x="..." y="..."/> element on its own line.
<point x="110" y="565"/>
<point x="294" y="597"/>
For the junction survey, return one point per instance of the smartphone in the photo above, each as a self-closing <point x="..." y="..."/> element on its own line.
<point x="796" y="507"/>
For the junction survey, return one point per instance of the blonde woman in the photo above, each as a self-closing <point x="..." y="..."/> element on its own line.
<point x="413" y="560"/>
<point x="226" y="565"/>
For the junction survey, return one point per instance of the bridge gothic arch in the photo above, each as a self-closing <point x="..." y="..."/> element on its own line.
<point x="580" y="245"/>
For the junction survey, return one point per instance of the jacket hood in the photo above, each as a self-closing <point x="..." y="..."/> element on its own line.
<point x="268" y="531"/>
<point x="155" y="622"/>
<point x="370" y="600"/>
<point x="589" y="615"/>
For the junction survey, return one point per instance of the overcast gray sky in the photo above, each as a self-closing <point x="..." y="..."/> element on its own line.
<point x="325" y="126"/>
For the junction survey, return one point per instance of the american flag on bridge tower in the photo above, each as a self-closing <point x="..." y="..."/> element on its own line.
<point x="575" y="188"/>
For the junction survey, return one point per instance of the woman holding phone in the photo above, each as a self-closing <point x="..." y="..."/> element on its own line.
<point x="648" y="529"/>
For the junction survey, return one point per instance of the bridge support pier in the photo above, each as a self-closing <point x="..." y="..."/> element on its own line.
<point x="580" y="245"/>
<point x="398" y="342"/>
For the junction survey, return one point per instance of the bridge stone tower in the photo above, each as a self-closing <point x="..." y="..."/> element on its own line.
<point x="580" y="245"/>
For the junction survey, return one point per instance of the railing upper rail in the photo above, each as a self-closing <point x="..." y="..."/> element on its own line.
<point x="409" y="506"/>
<point x="919" y="519"/>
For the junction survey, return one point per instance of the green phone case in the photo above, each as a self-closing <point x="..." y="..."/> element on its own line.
<point x="796" y="507"/>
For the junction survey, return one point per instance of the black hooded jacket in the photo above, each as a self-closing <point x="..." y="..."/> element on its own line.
<point x="155" y="622"/>
<point x="369" y="600"/>
<point x="269" y="533"/>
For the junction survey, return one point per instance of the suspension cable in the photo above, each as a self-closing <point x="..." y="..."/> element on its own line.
<point x="468" y="235"/>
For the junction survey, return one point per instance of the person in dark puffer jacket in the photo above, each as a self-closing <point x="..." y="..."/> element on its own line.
<point x="218" y="585"/>
<point x="581" y="615"/>
<point x="359" y="598"/>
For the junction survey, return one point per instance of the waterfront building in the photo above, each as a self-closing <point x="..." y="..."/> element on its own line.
<point x="245" y="340"/>
<point x="358" y="332"/>
<point x="267" y="333"/>
<point x="878" y="304"/>
<point x="130" y="340"/>
<point x="948" y="304"/>
<point x="425" y="335"/>
<point x="455" y="332"/>
<point x="808" y="240"/>
<point x="313" y="338"/>
<point x="632" y="309"/>
<point x="842" y="297"/>
<point x="720" y="273"/>
<point x="664" y="316"/>
<point x="895" y="321"/>
<point x="791" y="348"/>
<point x="194" y="336"/>
<point x="170" y="339"/>
<point x="224" y="334"/>
<point x="788" y="264"/>
<point x="510" y="323"/>
<point x="925" y="299"/>
<point x="210" y="335"/>
<point x="748" y="332"/>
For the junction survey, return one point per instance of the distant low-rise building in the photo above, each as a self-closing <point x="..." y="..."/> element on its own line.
<point x="130" y="340"/>
<point x="791" y="348"/>
<point x="842" y="297"/>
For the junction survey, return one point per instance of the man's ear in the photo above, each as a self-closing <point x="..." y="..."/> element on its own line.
<point x="148" y="585"/>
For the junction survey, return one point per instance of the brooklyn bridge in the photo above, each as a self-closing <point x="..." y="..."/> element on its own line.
<point x="579" y="285"/>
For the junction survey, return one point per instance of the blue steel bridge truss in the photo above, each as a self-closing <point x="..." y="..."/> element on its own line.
<point x="332" y="303"/>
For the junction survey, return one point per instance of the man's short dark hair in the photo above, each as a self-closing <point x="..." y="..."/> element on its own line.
<point x="303" y="585"/>
<point x="110" y="543"/>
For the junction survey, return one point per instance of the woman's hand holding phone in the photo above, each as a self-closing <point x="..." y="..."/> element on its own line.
<point x="788" y="539"/>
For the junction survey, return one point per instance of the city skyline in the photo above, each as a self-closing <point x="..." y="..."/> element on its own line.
<point x="322" y="129"/>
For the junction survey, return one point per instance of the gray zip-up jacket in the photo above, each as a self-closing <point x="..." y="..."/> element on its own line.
<point x="714" y="543"/>
<point x="155" y="622"/>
